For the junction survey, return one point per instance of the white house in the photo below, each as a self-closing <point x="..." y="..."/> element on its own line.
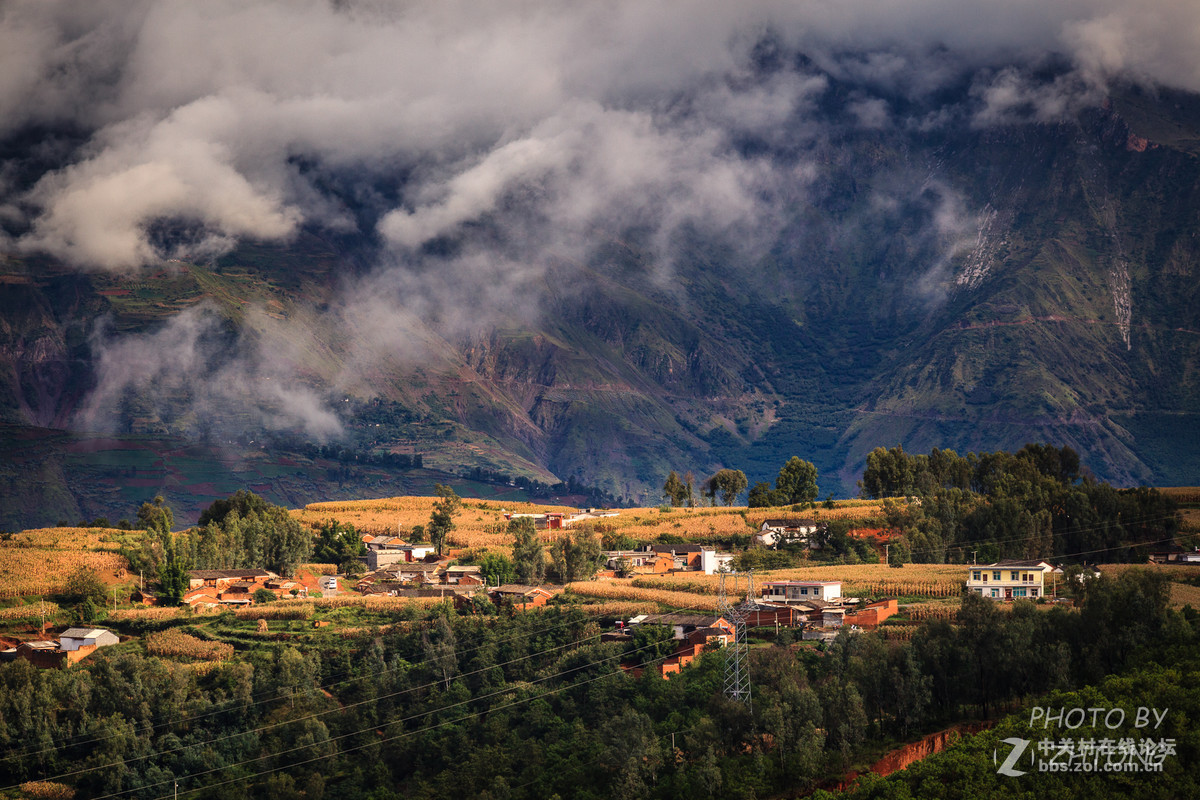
<point x="1009" y="580"/>
<point x="774" y="532"/>
<point x="74" y="638"/>
<point x="795" y="591"/>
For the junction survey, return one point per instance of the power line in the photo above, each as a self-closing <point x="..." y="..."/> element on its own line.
<point x="234" y="705"/>
<point x="505" y="690"/>
<point x="318" y="714"/>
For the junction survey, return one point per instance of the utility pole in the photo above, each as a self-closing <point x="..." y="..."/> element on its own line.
<point x="887" y="554"/>
<point x="973" y="554"/>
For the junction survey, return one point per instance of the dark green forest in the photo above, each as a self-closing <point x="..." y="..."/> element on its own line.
<point x="533" y="705"/>
<point x="1035" y="503"/>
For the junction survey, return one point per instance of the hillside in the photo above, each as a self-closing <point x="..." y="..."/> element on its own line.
<point x="963" y="285"/>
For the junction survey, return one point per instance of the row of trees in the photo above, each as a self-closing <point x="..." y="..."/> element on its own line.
<point x="242" y="531"/>
<point x="1035" y="503"/>
<point x="796" y="484"/>
<point x="572" y="557"/>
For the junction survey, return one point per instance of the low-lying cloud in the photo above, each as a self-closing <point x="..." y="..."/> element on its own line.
<point x="201" y="112"/>
<point x="476" y="145"/>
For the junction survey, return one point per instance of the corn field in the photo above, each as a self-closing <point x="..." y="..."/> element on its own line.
<point x="930" y="611"/>
<point x="46" y="790"/>
<point x="27" y="571"/>
<point x="912" y="580"/>
<point x="373" y="603"/>
<point x="150" y="613"/>
<point x="277" y="611"/>
<point x="619" y="590"/>
<point x="618" y="609"/>
<point x="176" y="643"/>
<point x="33" y="611"/>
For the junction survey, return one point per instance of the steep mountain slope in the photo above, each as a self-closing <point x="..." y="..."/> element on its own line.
<point x="972" y="287"/>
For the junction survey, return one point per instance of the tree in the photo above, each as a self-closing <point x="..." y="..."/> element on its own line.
<point x="173" y="577"/>
<point x="729" y="483"/>
<point x="797" y="481"/>
<point x="576" y="557"/>
<point x="244" y="531"/>
<point x="761" y="496"/>
<point x="156" y="515"/>
<point x="497" y="569"/>
<point x="338" y="544"/>
<point x="243" y="502"/>
<point x="674" y="490"/>
<point x="529" y="555"/>
<point x="264" y="596"/>
<point x="83" y="584"/>
<point x="441" y="521"/>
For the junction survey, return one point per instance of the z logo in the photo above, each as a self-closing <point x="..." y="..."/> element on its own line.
<point x="1006" y="768"/>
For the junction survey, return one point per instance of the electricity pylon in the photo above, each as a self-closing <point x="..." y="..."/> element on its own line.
<point x="737" y="658"/>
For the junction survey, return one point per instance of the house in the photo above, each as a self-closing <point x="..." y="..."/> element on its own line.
<point x="74" y="638"/>
<point x="797" y="591"/>
<point x="520" y="595"/>
<point x="44" y="654"/>
<point x="1168" y="555"/>
<point x="220" y="579"/>
<point x="774" y="532"/>
<point x="1009" y="580"/>
<point x="396" y="554"/>
<point x="639" y="562"/>
<point x="457" y="574"/>
<point x="685" y="625"/>
<point x="694" y="557"/>
<point x="549" y="521"/>
<point x="872" y="615"/>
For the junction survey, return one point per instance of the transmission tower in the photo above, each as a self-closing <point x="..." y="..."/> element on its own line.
<point x="737" y="659"/>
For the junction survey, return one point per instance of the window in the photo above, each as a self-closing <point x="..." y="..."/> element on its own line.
<point x="1018" y="592"/>
<point x="1016" y="576"/>
<point x="996" y="575"/>
<point x="1033" y="592"/>
<point x="995" y="592"/>
<point x="975" y="575"/>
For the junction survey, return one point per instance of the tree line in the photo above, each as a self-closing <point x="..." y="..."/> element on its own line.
<point x="1036" y="503"/>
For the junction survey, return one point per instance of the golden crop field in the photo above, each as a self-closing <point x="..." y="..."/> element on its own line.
<point x="622" y="590"/>
<point x="618" y="608"/>
<point x="32" y="572"/>
<point x="374" y="602"/>
<point x="1170" y="570"/>
<point x="154" y="613"/>
<point x="174" y="642"/>
<point x="479" y="523"/>
<point x="916" y="580"/>
<point x="29" y="611"/>
<point x="67" y="539"/>
<point x="286" y="610"/>
<point x="1184" y="594"/>
<point x="1184" y="495"/>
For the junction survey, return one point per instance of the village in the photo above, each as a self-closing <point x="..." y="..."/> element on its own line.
<point x="811" y="610"/>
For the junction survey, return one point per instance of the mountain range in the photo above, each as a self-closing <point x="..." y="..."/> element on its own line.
<point x="991" y="260"/>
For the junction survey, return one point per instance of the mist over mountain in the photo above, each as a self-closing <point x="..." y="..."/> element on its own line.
<point x="561" y="240"/>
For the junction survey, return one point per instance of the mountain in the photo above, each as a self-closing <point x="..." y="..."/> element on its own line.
<point x="913" y="268"/>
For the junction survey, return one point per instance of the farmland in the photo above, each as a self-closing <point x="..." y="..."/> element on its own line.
<point x="481" y="522"/>
<point x="37" y="562"/>
<point x="912" y="580"/>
